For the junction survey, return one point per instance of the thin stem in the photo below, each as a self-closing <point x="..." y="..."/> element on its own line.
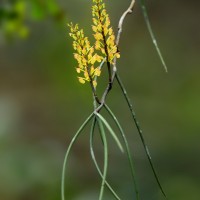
<point x="67" y="154"/>
<point x="127" y="150"/>
<point x="91" y="145"/>
<point x="93" y="88"/>
<point x="139" y="131"/>
<point x="107" y="90"/>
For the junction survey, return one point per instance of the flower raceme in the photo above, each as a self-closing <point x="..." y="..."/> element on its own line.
<point x="104" y="34"/>
<point x="88" y="60"/>
<point x="84" y="55"/>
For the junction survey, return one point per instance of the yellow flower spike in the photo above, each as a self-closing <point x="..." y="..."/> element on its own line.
<point x="104" y="35"/>
<point x="82" y="46"/>
<point x="105" y="43"/>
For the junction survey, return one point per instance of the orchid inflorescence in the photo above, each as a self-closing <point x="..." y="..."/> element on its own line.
<point x="90" y="60"/>
<point x="90" y="56"/>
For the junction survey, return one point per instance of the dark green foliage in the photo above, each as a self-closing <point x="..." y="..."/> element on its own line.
<point x="15" y="16"/>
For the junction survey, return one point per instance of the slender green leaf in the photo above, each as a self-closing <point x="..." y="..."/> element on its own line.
<point x="146" y="18"/>
<point x="105" y="168"/>
<point x="127" y="150"/>
<point x="67" y="154"/>
<point x="110" y="130"/>
<point x="139" y="131"/>
<point x="95" y="161"/>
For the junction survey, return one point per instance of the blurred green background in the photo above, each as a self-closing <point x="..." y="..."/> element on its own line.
<point x="42" y="104"/>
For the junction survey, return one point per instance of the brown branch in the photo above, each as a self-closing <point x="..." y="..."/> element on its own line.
<point x="121" y="21"/>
